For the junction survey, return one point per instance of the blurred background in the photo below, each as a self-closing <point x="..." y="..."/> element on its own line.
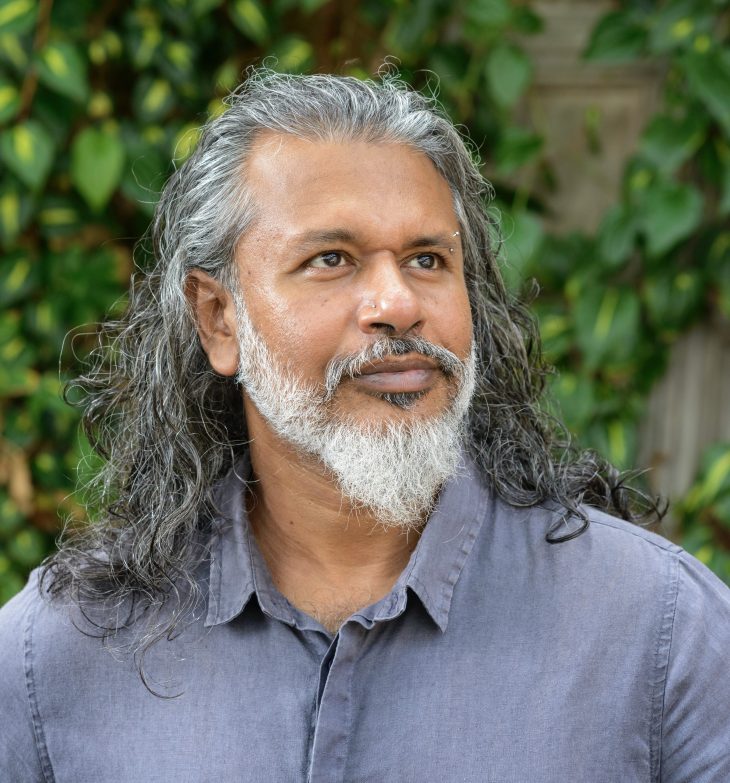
<point x="604" y="127"/>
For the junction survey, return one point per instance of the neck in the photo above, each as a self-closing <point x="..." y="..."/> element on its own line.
<point x="328" y="558"/>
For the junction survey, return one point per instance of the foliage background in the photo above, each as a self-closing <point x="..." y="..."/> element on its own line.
<point x="98" y="99"/>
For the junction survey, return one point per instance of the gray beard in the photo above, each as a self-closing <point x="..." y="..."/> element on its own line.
<point x="393" y="469"/>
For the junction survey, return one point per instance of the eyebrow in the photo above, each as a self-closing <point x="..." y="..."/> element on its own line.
<point x="326" y="236"/>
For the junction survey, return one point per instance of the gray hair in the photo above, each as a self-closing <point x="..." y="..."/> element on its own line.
<point x="168" y="427"/>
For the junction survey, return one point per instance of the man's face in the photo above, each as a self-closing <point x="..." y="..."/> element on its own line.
<point x="354" y="241"/>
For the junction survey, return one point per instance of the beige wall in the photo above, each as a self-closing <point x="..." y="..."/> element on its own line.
<point x="591" y="116"/>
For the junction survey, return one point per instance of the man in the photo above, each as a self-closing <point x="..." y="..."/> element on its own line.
<point x="341" y="542"/>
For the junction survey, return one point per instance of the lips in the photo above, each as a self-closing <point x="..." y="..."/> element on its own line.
<point x="398" y="375"/>
<point x="403" y="364"/>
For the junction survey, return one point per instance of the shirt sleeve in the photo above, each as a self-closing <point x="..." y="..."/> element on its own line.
<point x="19" y="759"/>
<point x="696" y="723"/>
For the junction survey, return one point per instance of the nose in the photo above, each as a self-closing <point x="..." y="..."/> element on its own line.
<point x="388" y="302"/>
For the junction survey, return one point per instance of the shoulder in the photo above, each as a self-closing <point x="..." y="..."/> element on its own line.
<point x="31" y="620"/>
<point x="643" y="607"/>
<point x="22" y="754"/>
<point x="608" y="544"/>
<point x="613" y="562"/>
<point x="17" y="619"/>
<point x="621" y="534"/>
<point x="627" y="542"/>
<point x="41" y="636"/>
<point x="31" y="625"/>
<point x="691" y="668"/>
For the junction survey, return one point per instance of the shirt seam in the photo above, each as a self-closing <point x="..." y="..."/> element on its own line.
<point x="667" y="546"/>
<point x="39" y="739"/>
<point x="216" y="562"/>
<point x="661" y="661"/>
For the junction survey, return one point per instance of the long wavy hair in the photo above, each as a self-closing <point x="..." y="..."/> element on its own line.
<point x="168" y="427"/>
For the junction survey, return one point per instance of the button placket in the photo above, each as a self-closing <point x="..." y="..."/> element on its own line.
<point x="334" y="714"/>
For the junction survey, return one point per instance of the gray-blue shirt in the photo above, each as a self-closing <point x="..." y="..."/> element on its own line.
<point x="496" y="658"/>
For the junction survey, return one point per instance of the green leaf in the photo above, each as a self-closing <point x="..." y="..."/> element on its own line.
<point x="562" y="256"/>
<point x="17" y="16"/>
<point x="27" y="149"/>
<point x="708" y="76"/>
<point x="616" y="439"/>
<point x="721" y="511"/>
<point x="516" y="148"/>
<point x="675" y="25"/>
<point x="97" y="161"/>
<point x="184" y="142"/>
<point x="573" y="400"/>
<point x="249" y="18"/>
<point x="57" y="114"/>
<point x="450" y="62"/>
<point x="227" y="75"/>
<point x="411" y="28"/>
<point x="144" y="43"/>
<point x="671" y="212"/>
<point x="668" y="142"/>
<point x="11" y="582"/>
<point x="616" y="38"/>
<point x="526" y="21"/>
<point x="310" y="6"/>
<point x="58" y="216"/>
<point x="62" y="69"/>
<point x="508" y="73"/>
<point x="18" y="427"/>
<point x="607" y="325"/>
<point x="293" y="55"/>
<point x="15" y="211"/>
<point x="719" y="264"/>
<point x="522" y="239"/>
<point x="27" y="548"/>
<point x="714" y="479"/>
<point x="11" y="519"/>
<point x="153" y="98"/>
<point x="144" y="178"/>
<point x="724" y="205"/>
<point x="617" y="235"/>
<point x="18" y="276"/>
<point x="178" y="59"/>
<point x="46" y="324"/>
<point x="13" y="52"/>
<point x="488" y="13"/>
<point x="203" y="7"/>
<point x="674" y="299"/>
<point x="9" y="100"/>
<point x="16" y="358"/>
<point x="556" y="333"/>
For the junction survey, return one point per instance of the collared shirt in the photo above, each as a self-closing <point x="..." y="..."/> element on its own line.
<point x="496" y="657"/>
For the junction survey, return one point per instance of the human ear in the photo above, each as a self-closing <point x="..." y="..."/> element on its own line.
<point x="215" y="318"/>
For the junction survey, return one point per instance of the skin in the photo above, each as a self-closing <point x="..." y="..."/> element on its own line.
<point x="352" y="241"/>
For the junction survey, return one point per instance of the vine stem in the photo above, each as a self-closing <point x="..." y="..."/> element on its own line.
<point x="30" y="82"/>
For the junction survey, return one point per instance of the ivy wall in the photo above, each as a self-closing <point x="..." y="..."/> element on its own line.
<point x="99" y="99"/>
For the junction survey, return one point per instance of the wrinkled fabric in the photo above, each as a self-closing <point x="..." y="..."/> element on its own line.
<point x="496" y="657"/>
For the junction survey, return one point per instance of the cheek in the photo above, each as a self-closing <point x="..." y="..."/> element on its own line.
<point x="306" y="334"/>
<point x="458" y="324"/>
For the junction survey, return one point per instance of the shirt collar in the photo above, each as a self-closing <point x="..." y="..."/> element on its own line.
<point x="231" y="582"/>
<point x="442" y="552"/>
<point x="237" y="570"/>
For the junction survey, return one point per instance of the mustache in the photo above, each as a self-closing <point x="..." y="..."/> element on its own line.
<point x="351" y="365"/>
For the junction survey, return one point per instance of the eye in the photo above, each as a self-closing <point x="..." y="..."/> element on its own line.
<point x="424" y="261"/>
<point x="329" y="260"/>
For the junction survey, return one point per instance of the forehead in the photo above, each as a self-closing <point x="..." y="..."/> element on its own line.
<point x="297" y="184"/>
